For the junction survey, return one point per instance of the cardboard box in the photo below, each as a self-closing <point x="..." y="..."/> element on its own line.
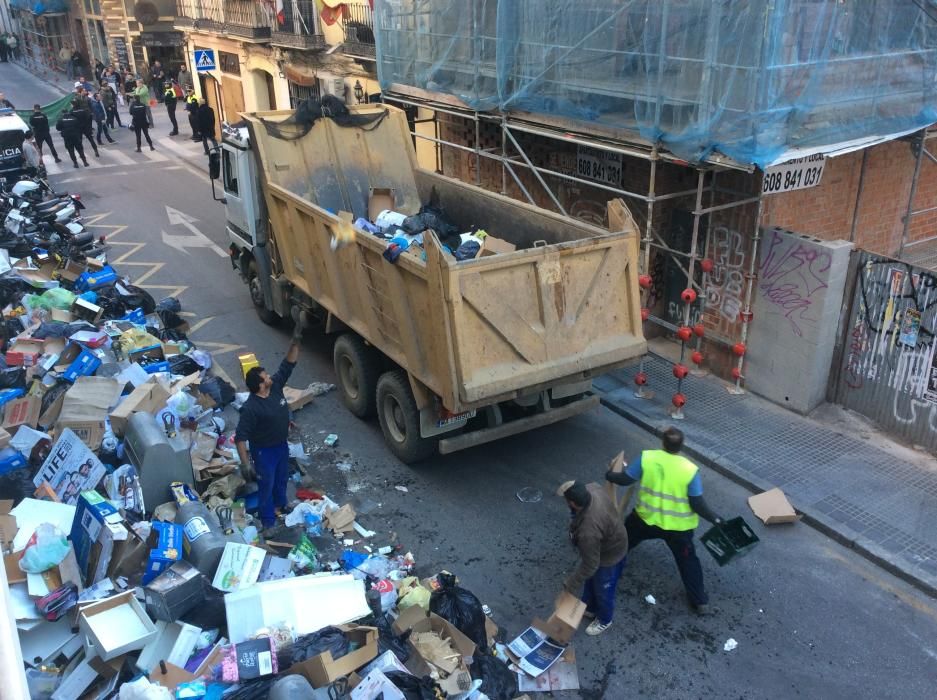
<point x="76" y="361"/>
<point x="563" y="623"/>
<point x="62" y="316"/>
<point x="376" y="685"/>
<point x="71" y="272"/>
<point x="24" y="351"/>
<point x="86" y="406"/>
<point x="168" y="549"/>
<point x="418" y="621"/>
<point x="70" y="468"/>
<point x="148" y="398"/>
<point x="8" y="526"/>
<point x="116" y="625"/>
<point x="174" y="592"/>
<point x="773" y="508"/>
<point x="323" y="669"/>
<point x="22" y="411"/>
<point x="86" y="311"/>
<point x="97" y="526"/>
<point x="379" y="199"/>
<point x="248" y="361"/>
<point x="495" y="246"/>
<point x="239" y="567"/>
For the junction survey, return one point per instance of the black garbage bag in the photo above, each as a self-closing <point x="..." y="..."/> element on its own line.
<point x="172" y="335"/>
<point x="17" y="485"/>
<point x="388" y="641"/>
<point x="414" y="688"/>
<point x="328" y="639"/>
<point x="498" y="681"/>
<point x="170" y="319"/>
<point x="169" y="304"/>
<point x="13" y="378"/>
<point x="461" y="608"/>
<point x="221" y="392"/>
<point x="183" y="365"/>
<point x="76" y="326"/>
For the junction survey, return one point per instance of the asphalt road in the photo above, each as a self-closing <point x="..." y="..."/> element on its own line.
<point x="811" y="618"/>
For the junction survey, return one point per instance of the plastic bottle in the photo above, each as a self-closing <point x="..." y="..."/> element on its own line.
<point x="203" y="540"/>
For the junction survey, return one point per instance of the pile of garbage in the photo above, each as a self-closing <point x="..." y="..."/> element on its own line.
<point x="133" y="560"/>
<point x="405" y="234"/>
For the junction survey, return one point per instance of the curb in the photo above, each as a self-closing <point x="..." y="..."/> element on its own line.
<point x="818" y="521"/>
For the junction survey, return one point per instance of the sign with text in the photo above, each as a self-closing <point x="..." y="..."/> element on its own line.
<point x="796" y="174"/>
<point x="601" y="166"/>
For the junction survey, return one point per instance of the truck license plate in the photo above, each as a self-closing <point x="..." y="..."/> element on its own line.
<point x="455" y="419"/>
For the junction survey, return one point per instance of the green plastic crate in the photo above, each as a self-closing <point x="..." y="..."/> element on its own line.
<point x="729" y="540"/>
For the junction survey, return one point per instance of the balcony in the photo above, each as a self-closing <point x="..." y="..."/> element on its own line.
<point x="298" y="27"/>
<point x="358" y="24"/>
<point x="246" y="19"/>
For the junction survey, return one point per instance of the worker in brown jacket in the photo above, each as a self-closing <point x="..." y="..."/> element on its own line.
<point x="597" y="531"/>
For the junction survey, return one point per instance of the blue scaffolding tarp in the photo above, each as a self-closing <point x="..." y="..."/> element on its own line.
<point x="40" y="7"/>
<point x="754" y="80"/>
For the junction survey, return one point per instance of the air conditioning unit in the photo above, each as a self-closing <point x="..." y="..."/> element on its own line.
<point x="335" y="86"/>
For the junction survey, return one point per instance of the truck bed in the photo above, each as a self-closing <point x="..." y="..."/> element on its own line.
<point x="561" y="308"/>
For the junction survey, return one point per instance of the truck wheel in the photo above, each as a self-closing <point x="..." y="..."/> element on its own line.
<point x="268" y="316"/>
<point x="358" y="367"/>
<point x="400" y="419"/>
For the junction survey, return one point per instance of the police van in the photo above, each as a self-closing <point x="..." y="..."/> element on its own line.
<point x="12" y="130"/>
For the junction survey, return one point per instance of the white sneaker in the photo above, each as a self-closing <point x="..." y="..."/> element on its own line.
<point x="596" y="628"/>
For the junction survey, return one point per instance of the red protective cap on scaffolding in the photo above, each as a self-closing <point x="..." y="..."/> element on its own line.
<point x="684" y="333"/>
<point x="688" y="295"/>
<point x="680" y="371"/>
<point x="679" y="400"/>
<point x="645" y="314"/>
<point x="697" y="357"/>
<point x="640" y="379"/>
<point x="739" y="349"/>
<point x="736" y="373"/>
<point x="645" y="281"/>
<point x="706" y="265"/>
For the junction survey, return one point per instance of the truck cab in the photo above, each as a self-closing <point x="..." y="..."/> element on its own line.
<point x="240" y="186"/>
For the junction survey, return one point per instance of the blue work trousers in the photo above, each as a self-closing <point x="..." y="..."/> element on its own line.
<point x="273" y="468"/>
<point x="599" y="591"/>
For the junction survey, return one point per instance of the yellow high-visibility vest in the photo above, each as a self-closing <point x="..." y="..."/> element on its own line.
<point x="662" y="496"/>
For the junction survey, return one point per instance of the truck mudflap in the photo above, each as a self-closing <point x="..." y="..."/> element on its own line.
<point x="554" y="415"/>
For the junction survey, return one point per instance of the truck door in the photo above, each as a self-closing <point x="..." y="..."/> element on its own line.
<point x="237" y="195"/>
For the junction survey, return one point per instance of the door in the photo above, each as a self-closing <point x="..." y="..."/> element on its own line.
<point x="232" y="97"/>
<point x="271" y="90"/>
<point x="211" y="91"/>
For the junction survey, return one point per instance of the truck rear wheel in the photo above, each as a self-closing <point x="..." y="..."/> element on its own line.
<point x="266" y="315"/>
<point x="358" y="367"/>
<point x="400" y="419"/>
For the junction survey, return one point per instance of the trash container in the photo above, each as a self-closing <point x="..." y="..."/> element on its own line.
<point x="729" y="540"/>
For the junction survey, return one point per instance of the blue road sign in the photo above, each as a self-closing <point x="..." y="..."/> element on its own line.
<point x="204" y="59"/>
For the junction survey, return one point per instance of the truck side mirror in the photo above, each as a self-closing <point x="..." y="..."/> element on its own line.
<point x="214" y="165"/>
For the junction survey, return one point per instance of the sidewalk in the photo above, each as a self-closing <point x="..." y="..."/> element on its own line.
<point x="882" y="505"/>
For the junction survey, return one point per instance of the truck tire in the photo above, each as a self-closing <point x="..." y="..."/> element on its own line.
<point x="357" y="367"/>
<point x="266" y="315"/>
<point x="400" y="419"/>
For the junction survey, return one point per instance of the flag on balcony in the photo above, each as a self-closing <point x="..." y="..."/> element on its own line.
<point x="330" y="10"/>
<point x="281" y="15"/>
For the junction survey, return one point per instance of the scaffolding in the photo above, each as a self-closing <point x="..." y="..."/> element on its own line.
<point x="749" y="80"/>
<point x="709" y="195"/>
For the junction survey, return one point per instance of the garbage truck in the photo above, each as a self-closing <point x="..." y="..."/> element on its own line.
<point x="448" y="353"/>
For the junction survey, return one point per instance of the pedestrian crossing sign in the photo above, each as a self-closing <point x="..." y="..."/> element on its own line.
<point x="205" y="59"/>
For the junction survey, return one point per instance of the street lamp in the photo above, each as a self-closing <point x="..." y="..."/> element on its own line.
<point x="359" y="91"/>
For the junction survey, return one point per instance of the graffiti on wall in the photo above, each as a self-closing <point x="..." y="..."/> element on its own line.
<point x="889" y="369"/>
<point x="725" y="284"/>
<point x="793" y="277"/>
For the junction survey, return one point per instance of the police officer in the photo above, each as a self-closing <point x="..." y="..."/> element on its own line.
<point x="69" y="125"/>
<point x="670" y="501"/>
<point x="40" y="126"/>
<point x="81" y="108"/>
<point x="139" y="122"/>
<point x="170" y="99"/>
<point x="191" y="107"/>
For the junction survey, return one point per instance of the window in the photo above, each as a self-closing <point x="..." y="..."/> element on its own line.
<point x="298" y="93"/>
<point x="229" y="62"/>
<point x="229" y="171"/>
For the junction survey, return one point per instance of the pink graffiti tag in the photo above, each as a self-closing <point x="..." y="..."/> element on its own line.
<point x="792" y="274"/>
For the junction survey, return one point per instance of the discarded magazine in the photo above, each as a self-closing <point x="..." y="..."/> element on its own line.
<point x="536" y="652"/>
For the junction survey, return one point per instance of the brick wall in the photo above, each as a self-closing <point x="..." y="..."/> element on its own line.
<point x="827" y="211"/>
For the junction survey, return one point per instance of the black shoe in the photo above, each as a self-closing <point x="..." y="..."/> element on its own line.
<point x="138" y="150"/>
<point x="703" y="609"/>
<point x="100" y="142"/>
<point x="76" y="164"/>
<point x="173" y="133"/>
<point x="111" y="141"/>
<point x="97" y="154"/>
<point x="152" y="147"/>
<point x="86" y="164"/>
<point x="58" y="160"/>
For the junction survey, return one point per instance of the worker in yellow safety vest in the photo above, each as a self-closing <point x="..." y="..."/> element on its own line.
<point x="670" y="501"/>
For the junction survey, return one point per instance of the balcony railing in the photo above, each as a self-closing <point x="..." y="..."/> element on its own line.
<point x="358" y="25"/>
<point x="298" y="27"/>
<point x="243" y="18"/>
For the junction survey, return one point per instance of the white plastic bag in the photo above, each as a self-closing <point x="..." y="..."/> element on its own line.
<point x="142" y="689"/>
<point x="46" y="548"/>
